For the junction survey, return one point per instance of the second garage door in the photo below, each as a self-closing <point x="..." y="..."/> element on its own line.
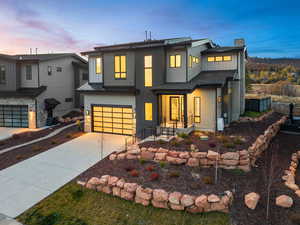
<point x="113" y="119"/>
<point x="13" y="116"/>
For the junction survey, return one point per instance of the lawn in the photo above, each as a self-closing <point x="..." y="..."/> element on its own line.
<point x="75" y="205"/>
<point x="253" y="114"/>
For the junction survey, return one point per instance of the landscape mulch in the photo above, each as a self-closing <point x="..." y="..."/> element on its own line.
<point x="248" y="131"/>
<point x="17" y="155"/>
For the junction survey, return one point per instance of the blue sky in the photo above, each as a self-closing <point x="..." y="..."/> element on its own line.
<point x="271" y="28"/>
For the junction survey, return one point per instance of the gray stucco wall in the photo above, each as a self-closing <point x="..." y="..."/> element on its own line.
<point x="11" y="78"/>
<point x="176" y="75"/>
<point x="34" y="82"/>
<point x="226" y="65"/>
<point x="196" y="68"/>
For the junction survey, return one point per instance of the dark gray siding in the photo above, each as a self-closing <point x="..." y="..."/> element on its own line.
<point x="145" y="94"/>
<point x="11" y="77"/>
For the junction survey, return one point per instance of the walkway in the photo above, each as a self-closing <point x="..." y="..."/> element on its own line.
<point x="28" y="182"/>
<point x="7" y="132"/>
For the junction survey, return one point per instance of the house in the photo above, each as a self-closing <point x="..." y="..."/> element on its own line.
<point x="152" y="86"/>
<point x="29" y="82"/>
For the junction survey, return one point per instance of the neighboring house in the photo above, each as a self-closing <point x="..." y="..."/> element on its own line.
<point x="27" y="80"/>
<point x="141" y="87"/>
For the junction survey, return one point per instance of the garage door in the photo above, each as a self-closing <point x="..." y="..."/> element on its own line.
<point x="113" y="119"/>
<point x="13" y="116"/>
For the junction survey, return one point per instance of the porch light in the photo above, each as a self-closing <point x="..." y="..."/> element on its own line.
<point x="219" y="99"/>
<point x="87" y="112"/>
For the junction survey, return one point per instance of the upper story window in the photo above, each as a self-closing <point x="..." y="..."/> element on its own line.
<point x="175" y="61"/>
<point x="59" y="69"/>
<point x="98" y="65"/>
<point x="148" y="111"/>
<point x="148" y="70"/>
<point x="190" y="60"/>
<point x="85" y="76"/>
<point x="219" y="58"/>
<point x="120" y="67"/>
<point x="49" y="70"/>
<point x="28" y="72"/>
<point x="2" y="75"/>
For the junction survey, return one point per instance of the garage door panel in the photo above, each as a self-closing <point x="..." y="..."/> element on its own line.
<point x="13" y="116"/>
<point x="113" y="119"/>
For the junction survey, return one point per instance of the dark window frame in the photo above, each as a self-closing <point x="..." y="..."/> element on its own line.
<point x="197" y="116"/>
<point x="101" y="65"/>
<point x="148" y="68"/>
<point x="120" y="67"/>
<point x="2" y="74"/>
<point x="175" y="67"/>
<point x="59" y="69"/>
<point x="49" y="70"/>
<point x="28" y="72"/>
<point x="170" y="105"/>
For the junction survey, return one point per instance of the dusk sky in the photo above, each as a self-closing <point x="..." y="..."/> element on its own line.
<point x="271" y="28"/>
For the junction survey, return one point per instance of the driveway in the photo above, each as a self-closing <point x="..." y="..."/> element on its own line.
<point x="6" y="132"/>
<point x="28" y="182"/>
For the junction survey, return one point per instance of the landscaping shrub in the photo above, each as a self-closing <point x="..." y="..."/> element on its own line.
<point x="223" y="139"/>
<point x="188" y="141"/>
<point x="237" y="171"/>
<point x="161" y="142"/>
<point x="182" y="135"/>
<point x="212" y="145"/>
<point x="19" y="157"/>
<point x="295" y="218"/>
<point x="175" y="143"/>
<point x="207" y="180"/>
<point x="142" y="161"/>
<point x="229" y="145"/>
<point x="128" y="168"/>
<point x="68" y="136"/>
<point x="162" y="164"/>
<point x="174" y="174"/>
<point x="72" y="221"/>
<point x="134" y="173"/>
<point x="154" y="176"/>
<point x="238" y="141"/>
<point x="77" y="195"/>
<point x="36" y="148"/>
<point x="150" y="168"/>
<point x="53" y="142"/>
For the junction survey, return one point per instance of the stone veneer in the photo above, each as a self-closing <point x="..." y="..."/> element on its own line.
<point x="290" y="174"/>
<point x="160" y="198"/>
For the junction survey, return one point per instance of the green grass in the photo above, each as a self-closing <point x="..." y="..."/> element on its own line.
<point x="253" y="114"/>
<point x="74" y="205"/>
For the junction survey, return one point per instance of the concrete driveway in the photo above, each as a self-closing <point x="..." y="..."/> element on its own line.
<point x="28" y="182"/>
<point x="6" y="132"/>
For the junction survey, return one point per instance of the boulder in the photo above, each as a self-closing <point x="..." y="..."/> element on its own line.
<point x="93" y="183"/>
<point x="180" y="161"/>
<point x="160" y="195"/>
<point x="292" y="186"/>
<point x="193" y="162"/>
<point x="171" y="160"/>
<point x="81" y="183"/>
<point x="201" y="201"/>
<point x="203" y="162"/>
<point x="176" y="207"/>
<point x="112" y="181"/>
<point x="160" y="156"/>
<point x="184" y="155"/>
<point x="187" y="200"/>
<point x="134" y="152"/>
<point x="142" y="201"/>
<point x="212" y="155"/>
<point x="284" y="201"/>
<point x="158" y="204"/>
<point x="199" y="155"/>
<point x="144" y="193"/>
<point x="251" y="200"/>
<point x="217" y="206"/>
<point x="230" y="155"/>
<point x="245" y="168"/>
<point x="130" y="187"/>
<point x="127" y="195"/>
<point x="244" y="162"/>
<point x="112" y="156"/>
<point x="213" y="198"/>
<point x="154" y="150"/>
<point x="116" y="191"/>
<point x="174" y="198"/>
<point x="120" y="183"/>
<point x="298" y="154"/>
<point x="106" y="189"/>
<point x="297" y="193"/>
<point x="162" y="150"/>
<point x="194" y="209"/>
<point x="121" y="156"/>
<point x="173" y="153"/>
<point x="146" y="155"/>
<point x="130" y="156"/>
<point x="229" y="162"/>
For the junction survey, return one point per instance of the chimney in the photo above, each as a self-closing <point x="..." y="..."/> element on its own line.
<point x="239" y="42"/>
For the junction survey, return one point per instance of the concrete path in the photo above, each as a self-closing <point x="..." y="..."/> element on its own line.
<point x="28" y="182"/>
<point x="7" y="132"/>
<point x="55" y="132"/>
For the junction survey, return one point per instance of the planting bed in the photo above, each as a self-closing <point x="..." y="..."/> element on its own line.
<point x="17" y="155"/>
<point x="238" y="136"/>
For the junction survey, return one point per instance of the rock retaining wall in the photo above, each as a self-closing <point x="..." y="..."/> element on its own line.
<point x="160" y="198"/>
<point x="263" y="141"/>
<point x="290" y="174"/>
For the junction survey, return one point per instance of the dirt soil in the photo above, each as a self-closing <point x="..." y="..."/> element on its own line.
<point x="239" y="182"/>
<point x="22" y="138"/>
<point x="245" y="131"/>
<point x="15" y="156"/>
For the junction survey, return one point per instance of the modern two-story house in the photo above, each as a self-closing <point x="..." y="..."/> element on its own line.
<point x="29" y="82"/>
<point x="172" y="83"/>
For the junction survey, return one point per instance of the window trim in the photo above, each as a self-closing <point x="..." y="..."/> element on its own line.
<point x="175" y="62"/>
<point x="170" y="105"/>
<point x="145" y="113"/>
<point x="120" y="67"/>
<point x="101" y="65"/>
<point x="222" y="58"/>
<point x="198" y="116"/>
<point x="59" y="69"/>
<point x="2" y="81"/>
<point x="26" y="72"/>
<point x="148" y="68"/>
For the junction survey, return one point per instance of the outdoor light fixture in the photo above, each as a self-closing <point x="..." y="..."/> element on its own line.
<point x="219" y="99"/>
<point x="87" y="112"/>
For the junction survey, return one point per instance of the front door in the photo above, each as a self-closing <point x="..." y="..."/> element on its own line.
<point x="174" y="108"/>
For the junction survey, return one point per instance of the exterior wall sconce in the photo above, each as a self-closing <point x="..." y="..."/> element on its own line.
<point x="219" y="99"/>
<point x="229" y="90"/>
<point x="87" y="112"/>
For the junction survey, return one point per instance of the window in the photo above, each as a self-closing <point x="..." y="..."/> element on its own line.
<point x="194" y="59"/>
<point x="197" y="60"/>
<point x="174" y="108"/>
<point x="197" y="109"/>
<point x="69" y="100"/>
<point x="120" y="67"/>
<point x="148" y="70"/>
<point x="210" y="59"/>
<point x="85" y="76"/>
<point x="175" y="61"/>
<point x="2" y="75"/>
<point x="190" y="61"/>
<point x="227" y="58"/>
<point x="148" y="111"/>
<point x="49" y="70"/>
<point x="59" y="69"/>
<point x="28" y="72"/>
<point x="218" y="58"/>
<point x="98" y="65"/>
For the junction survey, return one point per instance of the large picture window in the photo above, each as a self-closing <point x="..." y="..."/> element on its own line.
<point x="98" y="65"/>
<point x="148" y="70"/>
<point x="28" y="72"/>
<point x="219" y="58"/>
<point x="120" y="67"/>
<point x="175" y="61"/>
<point x="174" y="108"/>
<point x="148" y="111"/>
<point x="197" y="109"/>
<point x="2" y="75"/>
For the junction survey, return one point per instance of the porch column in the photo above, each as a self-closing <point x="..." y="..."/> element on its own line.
<point x="185" y="111"/>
